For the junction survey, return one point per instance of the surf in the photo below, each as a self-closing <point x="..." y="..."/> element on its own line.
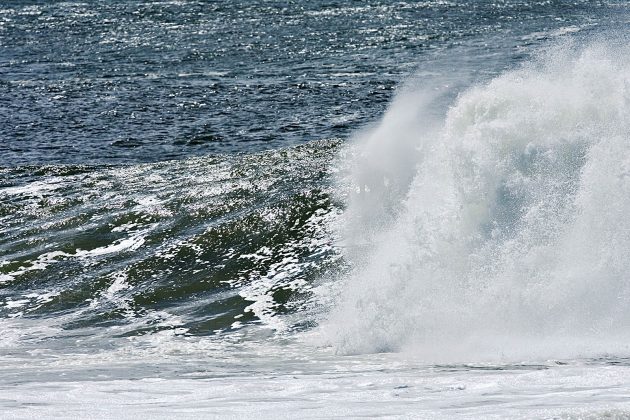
<point x="496" y="227"/>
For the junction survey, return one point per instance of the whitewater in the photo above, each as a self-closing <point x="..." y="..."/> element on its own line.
<point x="510" y="238"/>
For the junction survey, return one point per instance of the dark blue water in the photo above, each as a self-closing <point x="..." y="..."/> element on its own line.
<point x="145" y="81"/>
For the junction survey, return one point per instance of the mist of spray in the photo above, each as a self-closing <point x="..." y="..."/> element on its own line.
<point x="500" y="228"/>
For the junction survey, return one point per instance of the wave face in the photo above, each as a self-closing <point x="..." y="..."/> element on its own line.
<point x="469" y="218"/>
<point x="201" y="246"/>
<point x="501" y="228"/>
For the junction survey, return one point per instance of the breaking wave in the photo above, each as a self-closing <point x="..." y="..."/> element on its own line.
<point x="500" y="227"/>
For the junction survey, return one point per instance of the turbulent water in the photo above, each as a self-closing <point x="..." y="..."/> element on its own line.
<point x="314" y="209"/>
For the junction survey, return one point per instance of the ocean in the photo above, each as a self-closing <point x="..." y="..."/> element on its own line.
<point x="315" y="209"/>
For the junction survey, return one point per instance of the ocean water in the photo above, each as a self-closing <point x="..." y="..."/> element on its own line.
<point x="261" y="209"/>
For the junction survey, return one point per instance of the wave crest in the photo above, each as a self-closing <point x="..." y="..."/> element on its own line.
<point x="511" y="237"/>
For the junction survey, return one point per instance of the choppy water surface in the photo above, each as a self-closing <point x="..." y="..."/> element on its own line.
<point x="315" y="209"/>
<point x="154" y="80"/>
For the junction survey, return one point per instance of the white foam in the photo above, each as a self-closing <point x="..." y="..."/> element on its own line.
<point x="506" y="233"/>
<point x="264" y="386"/>
<point x="119" y="284"/>
<point x="131" y="243"/>
<point x="33" y="189"/>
